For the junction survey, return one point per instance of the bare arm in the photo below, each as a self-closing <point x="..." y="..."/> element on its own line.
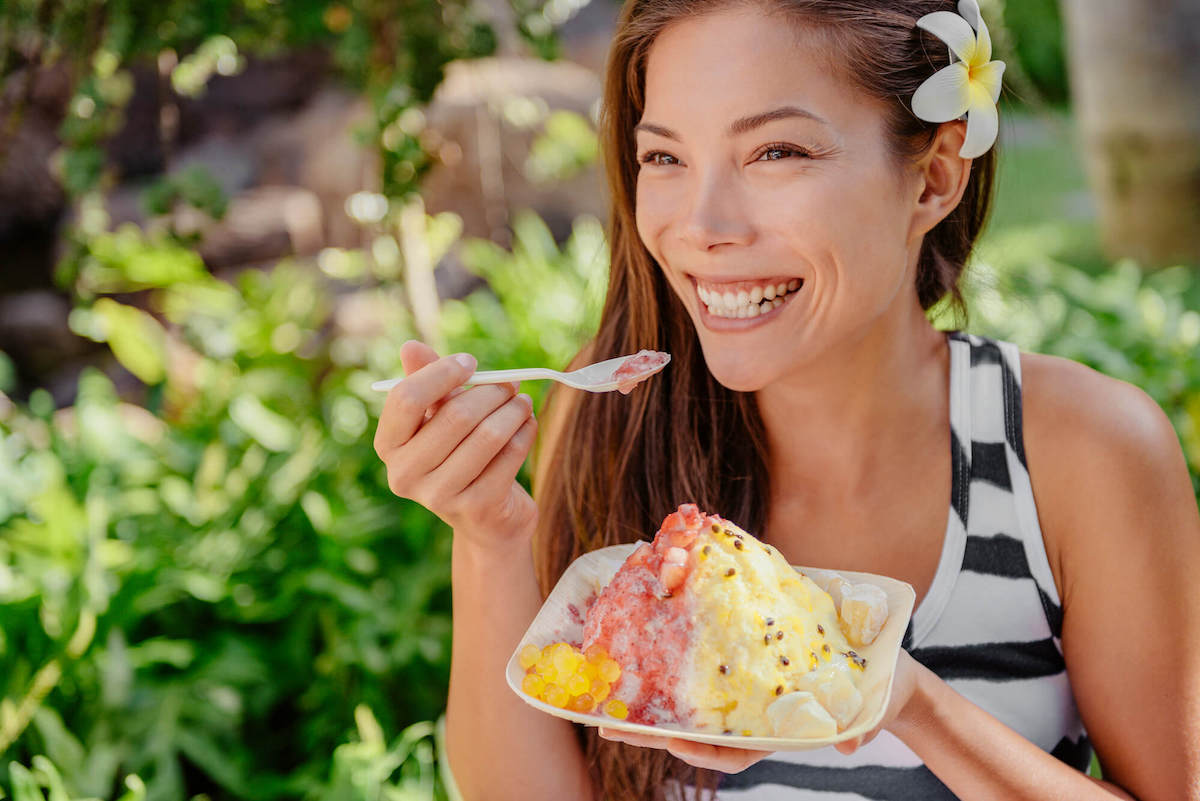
<point x="499" y="746"/>
<point x="1122" y="532"/>
<point x="457" y="453"/>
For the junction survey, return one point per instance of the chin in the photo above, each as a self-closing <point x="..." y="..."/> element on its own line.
<point x="734" y="371"/>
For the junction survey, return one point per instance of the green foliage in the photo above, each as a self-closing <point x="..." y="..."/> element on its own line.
<point x="1038" y="39"/>
<point x="567" y="145"/>
<point x="542" y="302"/>
<point x="192" y="186"/>
<point x="1135" y="326"/>
<point x="209" y="592"/>
<point x="395" y="52"/>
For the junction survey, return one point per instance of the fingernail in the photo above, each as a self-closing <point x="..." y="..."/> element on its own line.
<point x="466" y="360"/>
<point x="527" y="399"/>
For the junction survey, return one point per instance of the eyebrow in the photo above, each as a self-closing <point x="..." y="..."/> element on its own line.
<point x="743" y="125"/>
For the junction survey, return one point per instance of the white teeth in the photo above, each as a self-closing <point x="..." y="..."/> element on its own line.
<point x="742" y="304"/>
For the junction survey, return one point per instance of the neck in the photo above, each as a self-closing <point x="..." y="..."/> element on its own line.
<point x="834" y="424"/>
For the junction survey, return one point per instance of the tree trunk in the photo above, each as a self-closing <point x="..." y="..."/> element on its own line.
<point x="1135" y="79"/>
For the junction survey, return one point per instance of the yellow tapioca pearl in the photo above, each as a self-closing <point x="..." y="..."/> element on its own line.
<point x="589" y="671"/>
<point x="577" y="684"/>
<point x="599" y="690"/>
<point x="610" y="671"/>
<point x="582" y="703"/>
<point x="595" y="654"/>
<point x="529" y="656"/>
<point x="533" y="684"/>
<point x="616" y="709"/>
<point x="567" y="662"/>
<point x="555" y="696"/>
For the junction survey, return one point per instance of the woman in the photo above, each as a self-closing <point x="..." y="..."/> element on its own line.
<point x="1041" y="511"/>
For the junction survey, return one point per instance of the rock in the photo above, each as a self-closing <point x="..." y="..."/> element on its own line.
<point x="262" y="224"/>
<point x="482" y="149"/>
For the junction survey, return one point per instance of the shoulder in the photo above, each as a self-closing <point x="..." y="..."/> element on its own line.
<point x="1067" y="405"/>
<point x="1118" y="515"/>
<point x="1104" y="461"/>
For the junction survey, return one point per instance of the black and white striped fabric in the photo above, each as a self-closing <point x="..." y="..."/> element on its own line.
<point x="991" y="624"/>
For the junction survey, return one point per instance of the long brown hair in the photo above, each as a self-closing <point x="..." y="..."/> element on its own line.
<point x="617" y="465"/>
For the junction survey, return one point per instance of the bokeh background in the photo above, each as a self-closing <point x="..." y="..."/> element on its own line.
<point x="219" y="220"/>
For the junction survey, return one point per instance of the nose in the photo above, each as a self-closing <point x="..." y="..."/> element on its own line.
<point x="715" y="213"/>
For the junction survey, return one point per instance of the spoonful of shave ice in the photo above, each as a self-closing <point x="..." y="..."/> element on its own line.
<point x="622" y="374"/>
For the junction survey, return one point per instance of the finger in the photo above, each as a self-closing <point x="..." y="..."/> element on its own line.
<point x="451" y="425"/>
<point x="714" y="757"/>
<point x="848" y="746"/>
<point x="492" y="434"/>
<point x="415" y="354"/>
<point x="702" y="755"/>
<point x="404" y="409"/>
<point x="498" y="476"/>
<point x="633" y="738"/>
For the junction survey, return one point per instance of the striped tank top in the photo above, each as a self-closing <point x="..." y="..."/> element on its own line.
<point x="991" y="623"/>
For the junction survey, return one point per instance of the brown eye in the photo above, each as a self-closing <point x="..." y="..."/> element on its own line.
<point x="653" y="158"/>
<point x="779" y="151"/>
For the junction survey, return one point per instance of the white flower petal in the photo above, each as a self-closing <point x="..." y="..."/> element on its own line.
<point x="943" y="96"/>
<point x="951" y="29"/>
<point x="969" y="9"/>
<point x="982" y="125"/>
<point x="988" y="76"/>
<point x="983" y="43"/>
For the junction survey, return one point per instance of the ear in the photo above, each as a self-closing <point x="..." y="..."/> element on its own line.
<point x="942" y="177"/>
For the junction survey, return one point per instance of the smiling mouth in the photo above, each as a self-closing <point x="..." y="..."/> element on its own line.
<point x="745" y="299"/>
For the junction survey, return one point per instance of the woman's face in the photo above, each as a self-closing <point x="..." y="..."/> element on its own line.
<point x="767" y="197"/>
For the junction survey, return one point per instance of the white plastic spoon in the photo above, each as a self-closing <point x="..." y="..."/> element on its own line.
<point x="622" y="373"/>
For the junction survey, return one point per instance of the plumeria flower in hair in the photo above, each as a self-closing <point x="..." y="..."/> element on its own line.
<point x="970" y="85"/>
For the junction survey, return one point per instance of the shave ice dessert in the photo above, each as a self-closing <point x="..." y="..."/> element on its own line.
<point x="710" y="629"/>
<point x="637" y="368"/>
